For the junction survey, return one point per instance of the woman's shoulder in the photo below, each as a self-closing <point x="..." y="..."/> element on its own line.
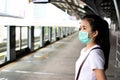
<point x="96" y="53"/>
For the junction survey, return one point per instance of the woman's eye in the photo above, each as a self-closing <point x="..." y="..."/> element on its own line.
<point x="84" y="28"/>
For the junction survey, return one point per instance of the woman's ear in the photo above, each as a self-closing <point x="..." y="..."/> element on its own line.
<point x="95" y="33"/>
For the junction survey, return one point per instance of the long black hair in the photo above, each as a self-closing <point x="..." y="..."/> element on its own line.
<point x="102" y="39"/>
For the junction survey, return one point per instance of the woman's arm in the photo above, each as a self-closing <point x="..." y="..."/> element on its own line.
<point x="100" y="74"/>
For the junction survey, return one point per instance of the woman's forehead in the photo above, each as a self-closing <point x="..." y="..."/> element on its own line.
<point x="84" y="23"/>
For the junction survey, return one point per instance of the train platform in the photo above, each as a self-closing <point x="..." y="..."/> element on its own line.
<point x="55" y="62"/>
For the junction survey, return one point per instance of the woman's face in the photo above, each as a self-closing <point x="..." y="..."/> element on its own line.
<point x="85" y="26"/>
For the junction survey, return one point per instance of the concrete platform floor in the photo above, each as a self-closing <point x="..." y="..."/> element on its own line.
<point x="54" y="62"/>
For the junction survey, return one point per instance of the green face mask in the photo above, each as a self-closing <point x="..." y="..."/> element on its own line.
<point x="83" y="37"/>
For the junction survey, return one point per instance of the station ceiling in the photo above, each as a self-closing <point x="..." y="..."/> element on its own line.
<point x="79" y="8"/>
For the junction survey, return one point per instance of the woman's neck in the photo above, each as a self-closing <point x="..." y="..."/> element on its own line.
<point x="89" y="45"/>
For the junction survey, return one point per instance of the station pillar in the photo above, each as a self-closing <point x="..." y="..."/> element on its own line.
<point x="50" y="33"/>
<point x="42" y="36"/>
<point x="11" y="42"/>
<point x="117" y="8"/>
<point x="31" y="38"/>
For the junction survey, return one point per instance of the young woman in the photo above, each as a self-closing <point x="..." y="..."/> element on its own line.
<point x="93" y="60"/>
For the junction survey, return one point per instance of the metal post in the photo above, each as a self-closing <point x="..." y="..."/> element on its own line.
<point x="41" y="36"/>
<point x="50" y="34"/>
<point x="55" y="36"/>
<point x="11" y="54"/>
<point x="59" y="32"/>
<point x="20" y="38"/>
<point x="64" y="33"/>
<point x="31" y="38"/>
<point x="117" y="7"/>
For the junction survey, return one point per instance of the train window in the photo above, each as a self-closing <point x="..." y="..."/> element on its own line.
<point x="64" y="31"/>
<point x="18" y="38"/>
<point x="46" y="34"/>
<point x="3" y="43"/>
<point x="57" y="32"/>
<point x="37" y="32"/>
<point x="21" y="37"/>
<point x="24" y="37"/>
<point x="53" y="34"/>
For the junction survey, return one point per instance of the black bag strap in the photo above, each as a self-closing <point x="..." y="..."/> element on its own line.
<point x="78" y="74"/>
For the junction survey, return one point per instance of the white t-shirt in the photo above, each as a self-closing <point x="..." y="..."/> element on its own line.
<point x="95" y="60"/>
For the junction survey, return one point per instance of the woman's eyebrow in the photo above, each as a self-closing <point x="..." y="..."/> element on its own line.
<point x="84" y="26"/>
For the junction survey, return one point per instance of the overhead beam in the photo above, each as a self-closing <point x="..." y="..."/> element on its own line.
<point x="72" y="9"/>
<point x="40" y="1"/>
<point x="117" y="7"/>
